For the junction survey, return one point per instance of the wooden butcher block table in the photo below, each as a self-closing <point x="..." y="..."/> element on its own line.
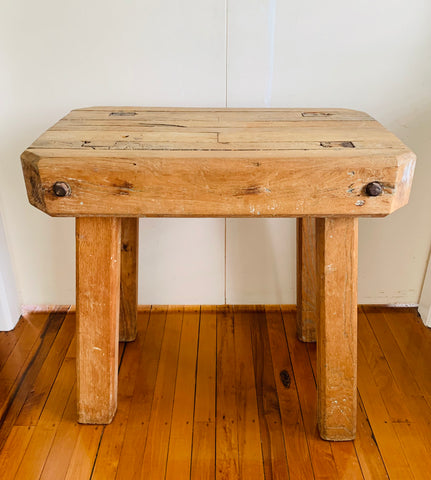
<point x="107" y="166"/>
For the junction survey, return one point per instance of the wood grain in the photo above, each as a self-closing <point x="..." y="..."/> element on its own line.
<point x="14" y="450"/>
<point x="204" y="421"/>
<point x="250" y="459"/>
<point x="359" y="458"/>
<point x="388" y="444"/>
<point x="111" y="445"/>
<point x="98" y="259"/>
<point x="129" y="278"/>
<point x="35" y="402"/>
<point x="321" y="455"/>
<point x="46" y="428"/>
<point x="384" y="432"/>
<point x="306" y="279"/>
<point x="337" y="250"/>
<point x="135" y="436"/>
<point x="34" y="355"/>
<point x="17" y="361"/>
<point x="159" y="426"/>
<point x="84" y="453"/>
<point x="9" y="341"/>
<point x="227" y="461"/>
<point x="271" y="431"/>
<point x="230" y="162"/>
<point x="367" y="449"/>
<point x="399" y="391"/>
<point x="297" y="450"/>
<point x="178" y="462"/>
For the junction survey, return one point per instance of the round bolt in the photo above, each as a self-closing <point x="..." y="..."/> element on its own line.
<point x="61" y="189"/>
<point x="374" y="189"/>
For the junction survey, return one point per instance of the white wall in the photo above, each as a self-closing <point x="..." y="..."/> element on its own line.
<point x="425" y="298"/>
<point x="367" y="55"/>
<point x="10" y="303"/>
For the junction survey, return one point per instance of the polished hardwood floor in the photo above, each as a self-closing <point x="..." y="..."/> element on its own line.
<point x="215" y="393"/>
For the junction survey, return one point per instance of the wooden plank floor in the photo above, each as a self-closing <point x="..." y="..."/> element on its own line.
<point x="215" y="393"/>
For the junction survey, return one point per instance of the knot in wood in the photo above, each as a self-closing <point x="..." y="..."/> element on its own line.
<point x="285" y="378"/>
<point x="374" y="189"/>
<point x="61" y="189"/>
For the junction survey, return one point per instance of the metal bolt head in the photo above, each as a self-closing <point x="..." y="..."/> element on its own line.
<point x="61" y="189"/>
<point x="374" y="189"/>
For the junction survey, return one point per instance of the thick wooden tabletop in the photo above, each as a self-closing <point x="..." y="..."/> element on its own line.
<point x="185" y="162"/>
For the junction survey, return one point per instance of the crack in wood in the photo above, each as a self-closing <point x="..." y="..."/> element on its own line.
<point x="122" y="114"/>
<point x="342" y="144"/>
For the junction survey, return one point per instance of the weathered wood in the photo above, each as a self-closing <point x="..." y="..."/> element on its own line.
<point x="98" y="259"/>
<point x="337" y="247"/>
<point x="130" y="162"/>
<point x="223" y="162"/>
<point x="306" y="279"/>
<point x="129" y="278"/>
<point x="201" y="113"/>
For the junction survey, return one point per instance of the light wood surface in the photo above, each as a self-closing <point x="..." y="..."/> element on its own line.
<point x="337" y="271"/>
<point x="306" y="279"/>
<point x="129" y="278"/>
<point x="124" y="161"/>
<point x="393" y="432"/>
<point x="108" y="165"/>
<point x="98" y="253"/>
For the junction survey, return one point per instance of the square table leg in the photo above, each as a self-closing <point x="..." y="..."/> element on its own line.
<point x="129" y="278"/>
<point x="98" y="259"/>
<point x="306" y="279"/>
<point x="337" y="247"/>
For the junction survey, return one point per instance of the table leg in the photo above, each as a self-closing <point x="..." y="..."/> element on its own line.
<point x="337" y="246"/>
<point x="129" y="278"/>
<point x="306" y="279"/>
<point x="98" y="258"/>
